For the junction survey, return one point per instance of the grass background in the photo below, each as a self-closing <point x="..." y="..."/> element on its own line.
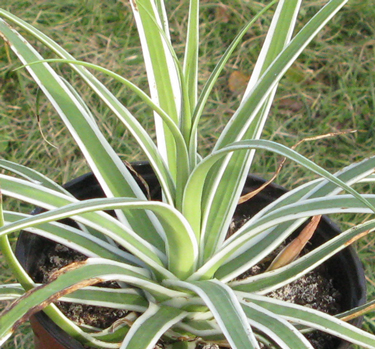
<point x="330" y="89"/>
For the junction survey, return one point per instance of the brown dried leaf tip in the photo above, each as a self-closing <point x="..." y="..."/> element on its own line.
<point x="294" y="248"/>
<point x="71" y="266"/>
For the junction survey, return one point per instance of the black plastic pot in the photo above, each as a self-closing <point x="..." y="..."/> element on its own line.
<point x="348" y="275"/>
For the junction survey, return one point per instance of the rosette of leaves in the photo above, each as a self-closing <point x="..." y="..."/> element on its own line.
<point x="172" y="258"/>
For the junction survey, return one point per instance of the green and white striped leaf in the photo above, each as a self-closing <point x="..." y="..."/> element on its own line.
<point x="31" y="175"/>
<point x="206" y="328"/>
<point x="126" y="299"/>
<point x="357" y="311"/>
<point x="166" y="245"/>
<point x="163" y="77"/>
<point x="195" y="187"/>
<point x="244" y="121"/>
<point x="225" y="184"/>
<point x="302" y="209"/>
<point x="273" y="73"/>
<point x="11" y="291"/>
<point x="315" y="319"/>
<point x="107" y="166"/>
<point x="255" y="250"/>
<point x="354" y="173"/>
<point x="100" y="221"/>
<point x="182" y="257"/>
<point x="74" y="238"/>
<point x="226" y="309"/>
<point x="116" y="298"/>
<point x="27" y="283"/>
<point x="151" y="325"/>
<point x="93" y="270"/>
<point x="190" y="69"/>
<point x="167" y="185"/>
<point x="110" y="100"/>
<point x="268" y="281"/>
<point x="281" y="331"/>
<point x="207" y="88"/>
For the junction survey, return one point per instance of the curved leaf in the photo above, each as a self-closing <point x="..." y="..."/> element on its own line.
<point x="161" y="72"/>
<point x="207" y="88"/>
<point x="226" y="309"/>
<point x="148" y="328"/>
<point x="100" y="221"/>
<point x="82" y="274"/>
<point x="195" y="187"/>
<point x="109" y="99"/>
<point x="268" y="281"/>
<point x="275" y="327"/>
<point x="74" y="238"/>
<point x="181" y="243"/>
<point x="227" y="179"/>
<point x="301" y="209"/>
<point x="105" y="163"/>
<point x="31" y="175"/>
<point x="315" y="319"/>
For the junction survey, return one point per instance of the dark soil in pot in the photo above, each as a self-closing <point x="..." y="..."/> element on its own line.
<point x="348" y="278"/>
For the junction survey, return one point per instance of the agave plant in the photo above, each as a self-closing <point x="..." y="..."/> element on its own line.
<point x="176" y="267"/>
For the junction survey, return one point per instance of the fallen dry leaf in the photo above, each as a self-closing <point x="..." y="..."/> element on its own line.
<point x="237" y="82"/>
<point x="290" y="104"/>
<point x="222" y="14"/>
<point x="293" y="249"/>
